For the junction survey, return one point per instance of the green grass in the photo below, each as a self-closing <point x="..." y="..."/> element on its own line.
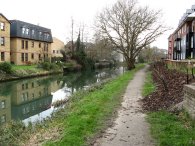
<point x="83" y="117"/>
<point x="86" y="114"/>
<point x="171" y="130"/>
<point x="24" y="67"/>
<point x="149" y="86"/>
<point x="166" y="128"/>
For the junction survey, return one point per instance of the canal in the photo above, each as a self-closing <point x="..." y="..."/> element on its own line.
<point x="32" y="100"/>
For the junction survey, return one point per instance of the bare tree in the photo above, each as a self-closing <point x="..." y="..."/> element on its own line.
<point x="129" y="28"/>
<point x="72" y="26"/>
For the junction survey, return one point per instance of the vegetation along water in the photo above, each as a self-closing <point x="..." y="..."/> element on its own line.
<point x="83" y="116"/>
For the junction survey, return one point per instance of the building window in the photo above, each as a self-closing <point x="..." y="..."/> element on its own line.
<point x="22" y="56"/>
<point x="26" y="85"/>
<point x="39" y="57"/>
<point x="47" y="46"/>
<point x="3" y="119"/>
<point x="2" y="41"/>
<point x="23" y="97"/>
<point x="33" y="95"/>
<point x="33" y="44"/>
<point x="22" y="44"/>
<point x="192" y="42"/>
<point x="26" y="44"/>
<point x="54" y="51"/>
<point x="39" y="45"/>
<point x="27" y="31"/>
<point x="2" y="56"/>
<point x="26" y="56"/>
<point x="2" y="25"/>
<point x="3" y="104"/>
<point x="47" y="36"/>
<point x="32" y="84"/>
<point x="33" y="32"/>
<point x="40" y="34"/>
<point x="32" y="56"/>
<point x="23" y="30"/>
<point x="22" y="86"/>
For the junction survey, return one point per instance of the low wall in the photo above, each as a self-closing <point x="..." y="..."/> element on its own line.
<point x="179" y="63"/>
<point x="189" y="99"/>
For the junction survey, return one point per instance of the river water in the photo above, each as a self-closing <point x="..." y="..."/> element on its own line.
<point x="31" y="100"/>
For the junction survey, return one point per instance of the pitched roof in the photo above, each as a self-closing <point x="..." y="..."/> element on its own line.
<point x="4" y="17"/>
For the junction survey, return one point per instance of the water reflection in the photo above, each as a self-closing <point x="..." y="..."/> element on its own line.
<point x="31" y="100"/>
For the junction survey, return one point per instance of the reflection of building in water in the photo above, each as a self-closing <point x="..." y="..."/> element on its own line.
<point x="5" y="109"/>
<point x="30" y="97"/>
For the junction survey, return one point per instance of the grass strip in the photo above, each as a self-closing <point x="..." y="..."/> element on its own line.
<point x="24" y="67"/>
<point x="87" y="114"/>
<point x="149" y="86"/>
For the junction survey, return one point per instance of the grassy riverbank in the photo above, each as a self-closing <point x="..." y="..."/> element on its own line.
<point x="87" y="114"/>
<point x="167" y="128"/>
<point x="84" y="116"/>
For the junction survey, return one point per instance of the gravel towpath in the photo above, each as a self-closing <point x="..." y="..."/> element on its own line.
<point x="130" y="127"/>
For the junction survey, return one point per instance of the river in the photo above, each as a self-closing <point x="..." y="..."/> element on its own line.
<point x="31" y="100"/>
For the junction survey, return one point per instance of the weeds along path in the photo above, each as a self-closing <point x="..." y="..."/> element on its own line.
<point x="130" y="127"/>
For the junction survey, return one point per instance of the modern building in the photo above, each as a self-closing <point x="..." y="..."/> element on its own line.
<point x="170" y="47"/>
<point x="181" y="44"/>
<point x="56" y="46"/>
<point x="4" y="39"/>
<point x="29" y="43"/>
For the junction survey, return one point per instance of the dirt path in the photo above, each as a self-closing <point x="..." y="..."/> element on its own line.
<point x="130" y="128"/>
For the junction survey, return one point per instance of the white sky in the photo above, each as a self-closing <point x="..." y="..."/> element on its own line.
<point x="56" y="14"/>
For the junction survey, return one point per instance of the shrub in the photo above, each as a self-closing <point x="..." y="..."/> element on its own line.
<point x="49" y="66"/>
<point x="6" y="67"/>
<point x="45" y="65"/>
<point x="53" y="66"/>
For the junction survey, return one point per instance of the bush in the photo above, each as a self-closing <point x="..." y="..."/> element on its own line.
<point x="54" y="66"/>
<point x="6" y="67"/>
<point x="49" y="66"/>
<point x="45" y="65"/>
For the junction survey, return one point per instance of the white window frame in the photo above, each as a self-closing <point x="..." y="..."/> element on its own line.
<point x="2" y="26"/>
<point x="23" y="30"/>
<point x="192" y="42"/>
<point x="2" y="41"/>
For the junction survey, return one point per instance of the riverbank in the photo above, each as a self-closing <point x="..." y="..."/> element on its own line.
<point x="14" y="72"/>
<point x="24" y="74"/>
<point x="86" y="114"/>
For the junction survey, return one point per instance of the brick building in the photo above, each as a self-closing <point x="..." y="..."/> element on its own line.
<point x="29" y="43"/>
<point x="4" y="39"/>
<point x="56" y="46"/>
<point x="181" y="44"/>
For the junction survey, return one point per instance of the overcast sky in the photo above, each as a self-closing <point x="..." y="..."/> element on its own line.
<point x="56" y="14"/>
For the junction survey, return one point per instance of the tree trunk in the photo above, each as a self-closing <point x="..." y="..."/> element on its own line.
<point x="130" y="64"/>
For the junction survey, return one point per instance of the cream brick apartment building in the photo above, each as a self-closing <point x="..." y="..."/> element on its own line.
<point x="29" y="43"/>
<point x="4" y="39"/>
<point x="56" y="46"/>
